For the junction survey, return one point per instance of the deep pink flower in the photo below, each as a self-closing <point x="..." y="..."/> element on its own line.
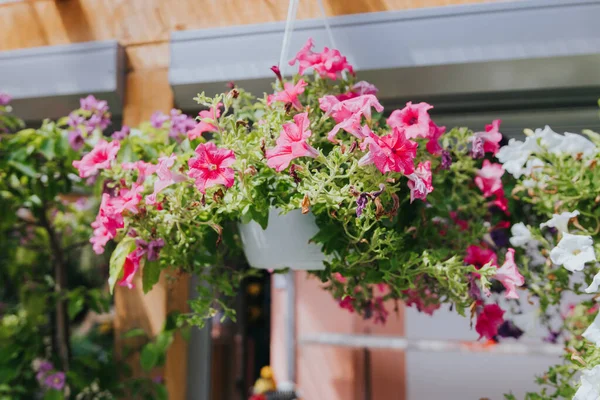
<point x="166" y="177"/>
<point x="128" y="199"/>
<point x="107" y="222"/>
<point x="144" y="169"/>
<point x="462" y="224"/>
<point x="480" y="256"/>
<point x="500" y="201"/>
<point x="488" y="178"/>
<point x="508" y="274"/>
<point x="393" y="152"/>
<point x="202" y="126"/>
<point x="426" y="302"/>
<point x="348" y="113"/>
<point x="328" y="64"/>
<point x="211" y="167"/>
<point x="419" y="182"/>
<point x="289" y="94"/>
<point x="130" y="267"/>
<point x="380" y="313"/>
<point x="99" y="158"/>
<point x="291" y="143"/>
<point x="489" y="320"/>
<point x="491" y="137"/>
<point x="435" y="132"/>
<point x="55" y="381"/>
<point x="340" y="278"/>
<point x="347" y="302"/>
<point x="413" y="119"/>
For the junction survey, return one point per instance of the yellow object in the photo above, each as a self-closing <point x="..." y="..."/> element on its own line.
<point x="265" y="383"/>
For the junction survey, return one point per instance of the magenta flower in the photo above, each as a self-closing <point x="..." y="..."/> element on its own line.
<point x="435" y="132"/>
<point x="122" y="134"/>
<point x="419" y="182"/>
<point x="158" y="119"/>
<point x="489" y="320"/>
<point x="211" y="167"/>
<point x="107" y="222"/>
<point x="480" y="256"/>
<point x="166" y="177"/>
<point x="328" y="64"/>
<point x="508" y="274"/>
<point x="291" y="143"/>
<point x="348" y="113"/>
<point x="5" y="99"/>
<point x="144" y="169"/>
<point x="393" y="152"/>
<point x="347" y="303"/>
<point x="130" y="267"/>
<point x="55" y="381"/>
<point x="426" y="301"/>
<point x="202" y="126"/>
<point x="413" y="119"/>
<point x="289" y="94"/>
<point x="99" y="158"/>
<point x="489" y="178"/>
<point x="491" y="137"/>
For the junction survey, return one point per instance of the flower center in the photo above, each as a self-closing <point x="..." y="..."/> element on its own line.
<point x="212" y="167"/>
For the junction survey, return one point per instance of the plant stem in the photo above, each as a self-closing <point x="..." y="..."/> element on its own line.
<point x="61" y="330"/>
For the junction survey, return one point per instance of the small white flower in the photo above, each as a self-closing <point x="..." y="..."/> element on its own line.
<point x="520" y="235"/>
<point x="590" y="385"/>
<point x="513" y="156"/>
<point x="573" y="251"/>
<point x="533" y="167"/>
<point x="536" y="258"/>
<point x="560" y="221"/>
<point x="549" y="139"/>
<point x="575" y="144"/>
<point x="593" y="288"/>
<point x="592" y="333"/>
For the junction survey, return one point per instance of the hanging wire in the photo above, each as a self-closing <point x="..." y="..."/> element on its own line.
<point x="327" y="25"/>
<point x="287" y="35"/>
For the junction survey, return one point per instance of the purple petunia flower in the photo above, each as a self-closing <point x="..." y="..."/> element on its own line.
<point x="509" y="329"/>
<point x="180" y="123"/>
<point x="361" y="203"/>
<point x="4" y="99"/>
<point x="55" y="381"/>
<point x="122" y="134"/>
<point x="75" y="139"/>
<point x="158" y="119"/>
<point x="446" y="159"/>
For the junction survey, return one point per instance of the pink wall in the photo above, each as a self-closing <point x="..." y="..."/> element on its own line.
<point x="335" y="373"/>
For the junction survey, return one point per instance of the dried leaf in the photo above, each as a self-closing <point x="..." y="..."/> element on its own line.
<point x="379" y="211"/>
<point x="218" y="196"/>
<point x="305" y="204"/>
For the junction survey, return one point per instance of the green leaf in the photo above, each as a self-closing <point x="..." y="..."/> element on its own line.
<point x="150" y="275"/>
<point x="161" y="392"/>
<point x="25" y="169"/>
<point x="75" y="306"/>
<point x="53" y="395"/>
<point x="47" y="148"/>
<point x="134" y="333"/>
<point x="163" y="341"/>
<point x="149" y="356"/>
<point x="117" y="260"/>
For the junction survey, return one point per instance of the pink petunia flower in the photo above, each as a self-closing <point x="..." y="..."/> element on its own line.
<point x="508" y="274"/>
<point x="328" y="64"/>
<point x="358" y="89"/>
<point x="166" y="177"/>
<point x="202" y="126"/>
<point x="130" y="268"/>
<point x="348" y="113"/>
<point x="462" y="224"/>
<point x="289" y="94"/>
<point x="99" y="158"/>
<point x="393" y="152"/>
<point x="211" y="167"/>
<point x="419" y="182"/>
<point x="491" y="137"/>
<point x="340" y="278"/>
<point x="426" y="302"/>
<point x="347" y="303"/>
<point x="480" y="256"/>
<point x="488" y="178"/>
<point x="435" y="132"/>
<point x="128" y="199"/>
<point x="291" y="143"/>
<point x="145" y="169"/>
<point x="489" y="320"/>
<point x="107" y="222"/>
<point x="413" y="119"/>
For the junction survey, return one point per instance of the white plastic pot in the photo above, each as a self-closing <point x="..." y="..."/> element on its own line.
<point x="285" y="242"/>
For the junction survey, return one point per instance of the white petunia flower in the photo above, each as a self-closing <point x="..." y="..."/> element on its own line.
<point x="593" y="288"/>
<point x="560" y="221"/>
<point x="573" y="251"/>
<point x="535" y="256"/>
<point x="590" y="385"/>
<point x="592" y="333"/>
<point x="549" y="139"/>
<point x="575" y="144"/>
<point x="520" y="235"/>
<point x="513" y="156"/>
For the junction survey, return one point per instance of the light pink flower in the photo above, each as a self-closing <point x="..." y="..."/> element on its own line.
<point x="348" y="113"/>
<point x="491" y="137"/>
<point x="99" y="158"/>
<point x="128" y="199"/>
<point x="289" y="94"/>
<point x="291" y="143"/>
<point x="107" y="222"/>
<point x="508" y="274"/>
<point x="202" y="126"/>
<point x="358" y="89"/>
<point x="211" y="167"/>
<point x="419" y="182"/>
<point x="144" y="169"/>
<point x="435" y="132"/>
<point x="393" y="152"/>
<point x="413" y="119"/>
<point x="489" y="320"/>
<point x="489" y="178"/>
<point x="166" y="177"/>
<point x="328" y="64"/>
<point x="340" y="278"/>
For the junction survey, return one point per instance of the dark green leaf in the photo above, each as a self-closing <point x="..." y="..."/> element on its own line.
<point x="149" y="356"/>
<point x="150" y="275"/>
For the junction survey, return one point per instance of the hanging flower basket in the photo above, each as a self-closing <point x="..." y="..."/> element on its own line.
<point x="285" y="242"/>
